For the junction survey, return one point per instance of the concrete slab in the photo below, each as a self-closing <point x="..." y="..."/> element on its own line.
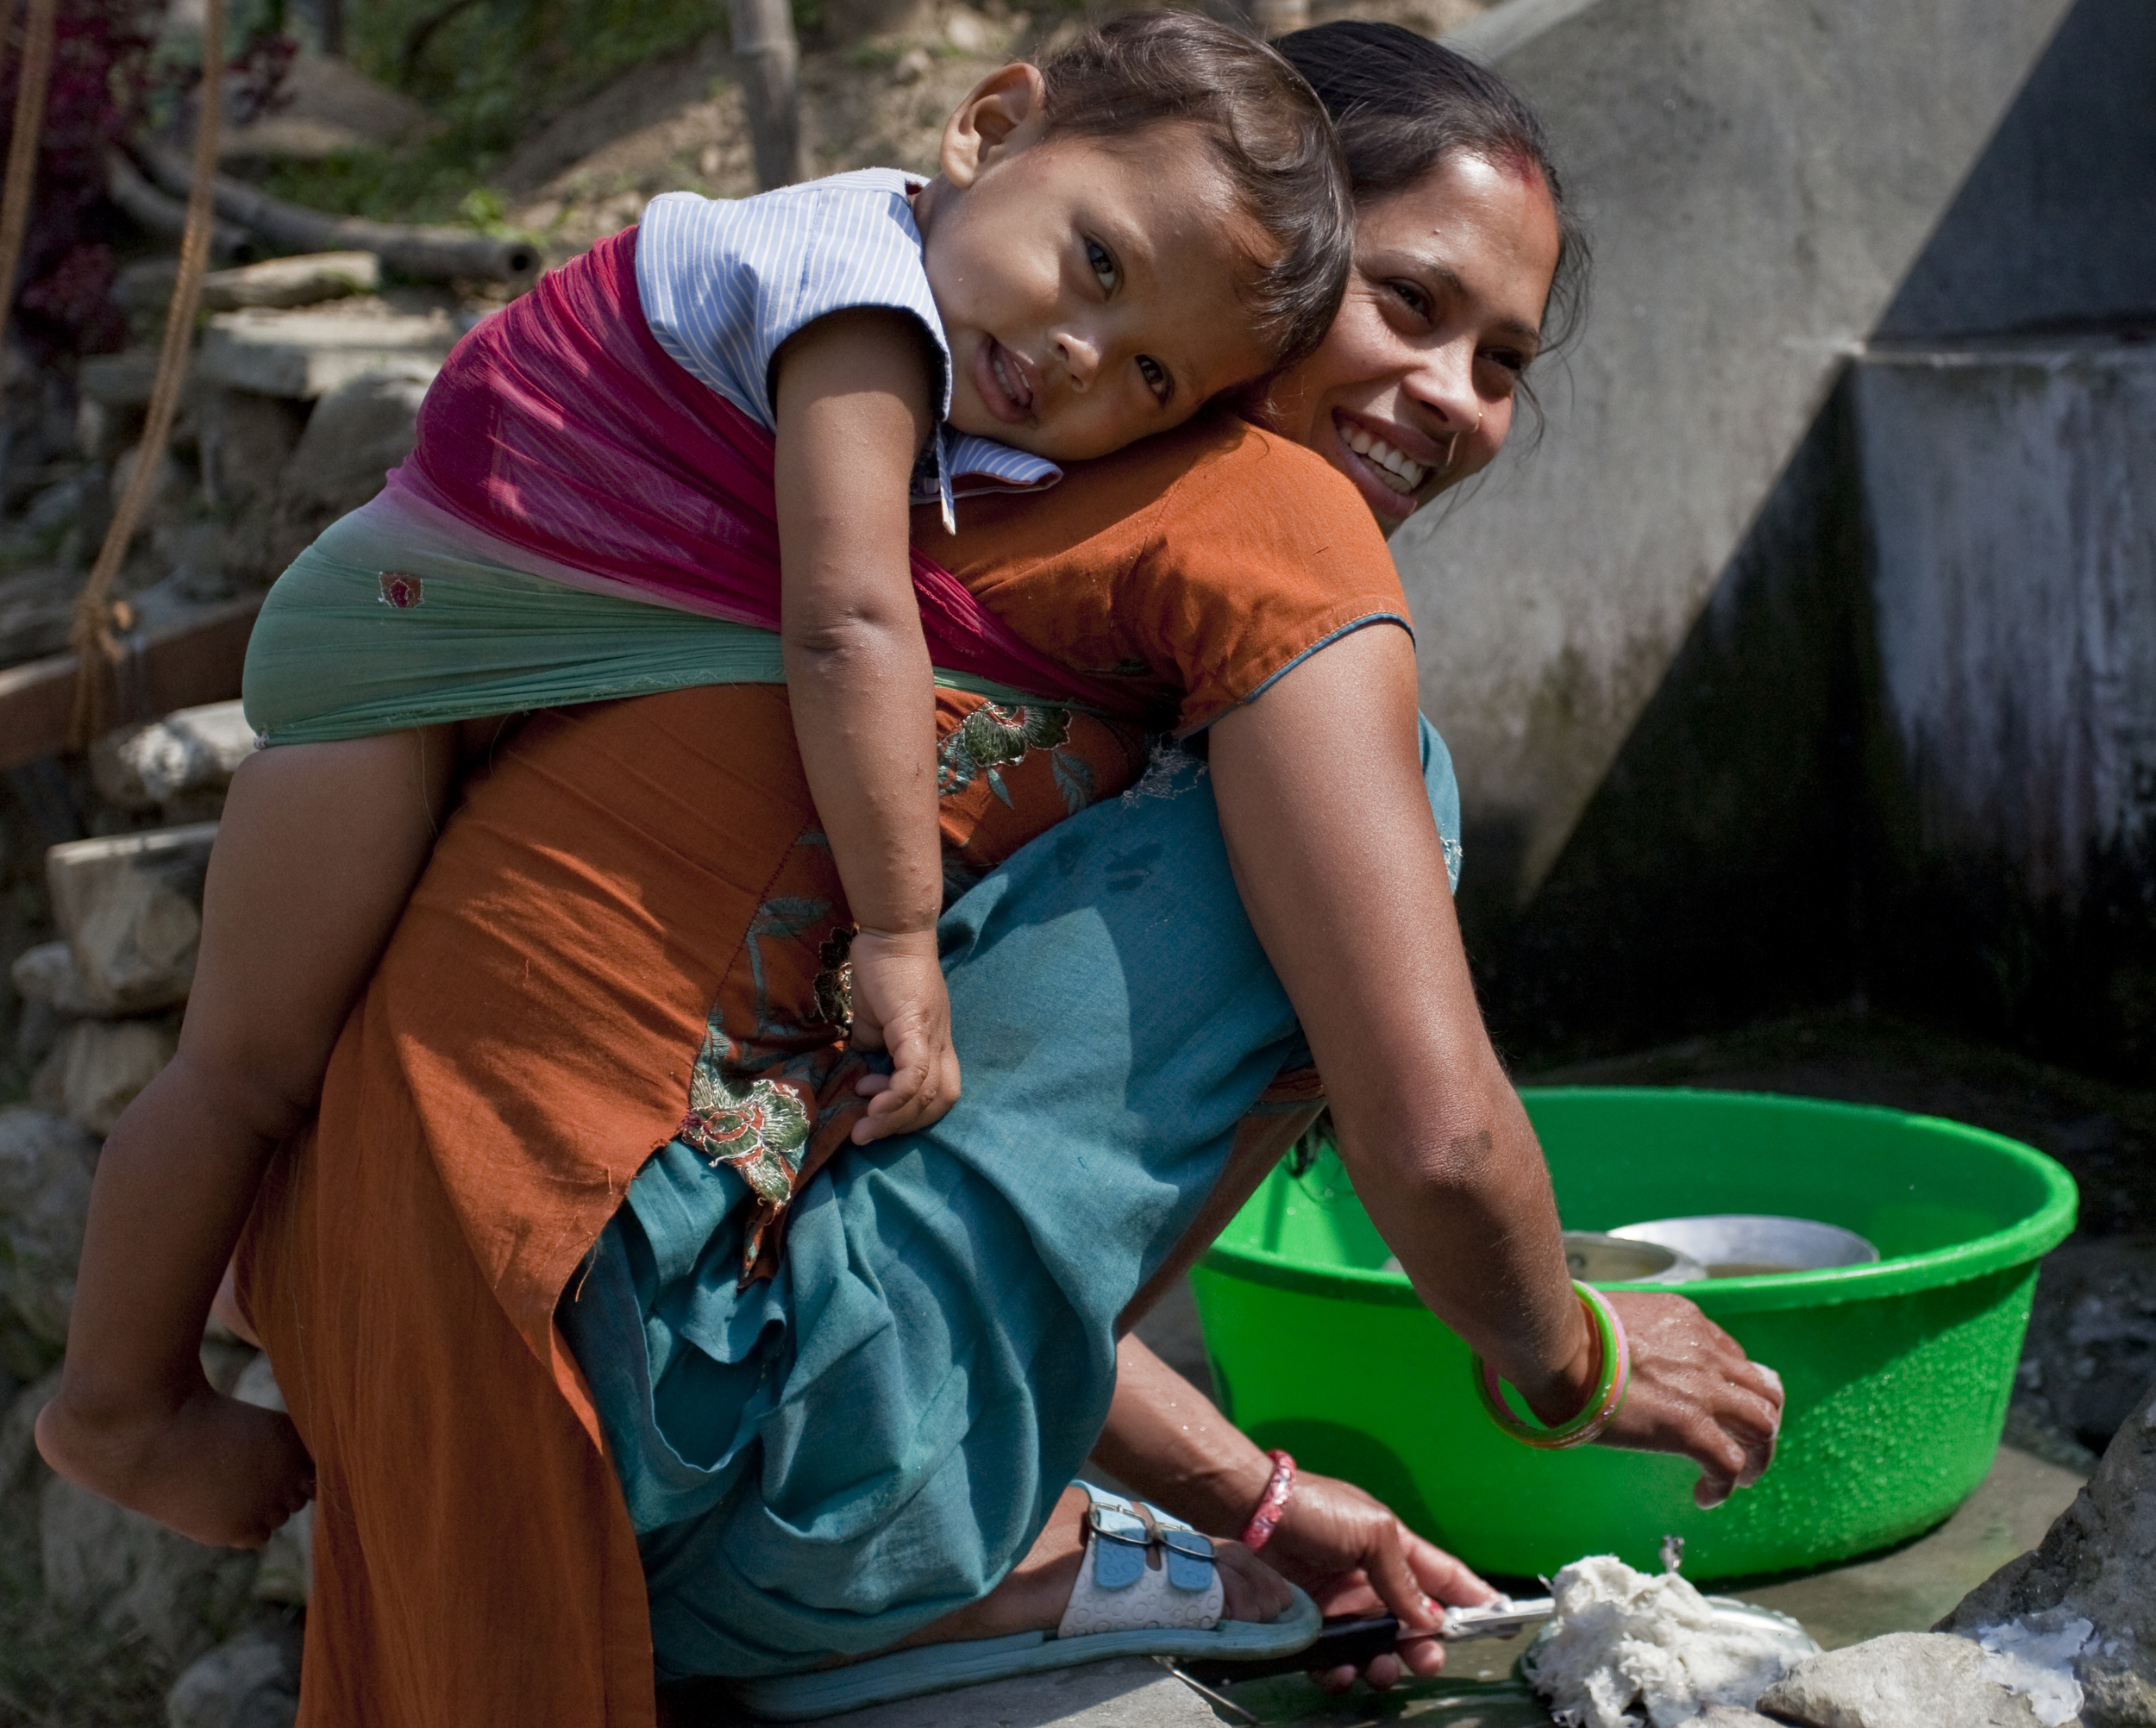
<point x="1912" y="1589"/>
<point x="308" y="352"/>
<point x="1131" y="1692"/>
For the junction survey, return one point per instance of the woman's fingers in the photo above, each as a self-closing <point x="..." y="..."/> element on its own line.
<point x="1695" y="1392"/>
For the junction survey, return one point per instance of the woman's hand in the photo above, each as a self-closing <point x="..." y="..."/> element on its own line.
<point x="1355" y="1557"/>
<point x="1695" y="1392"/>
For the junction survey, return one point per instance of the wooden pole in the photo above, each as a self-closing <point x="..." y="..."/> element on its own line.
<point x="770" y="62"/>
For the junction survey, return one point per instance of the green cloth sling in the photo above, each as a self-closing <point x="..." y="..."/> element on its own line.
<point x="333" y="655"/>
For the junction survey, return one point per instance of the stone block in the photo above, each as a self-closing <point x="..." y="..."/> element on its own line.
<point x="1907" y="1679"/>
<point x="47" y="974"/>
<point x="356" y="435"/>
<point x="306" y="280"/>
<point x="104" y="1063"/>
<point x="2098" y="1564"/>
<point x="246" y="440"/>
<point x="192" y="749"/>
<point x="129" y="905"/>
<point x="132" y="1576"/>
<point x="251" y="1680"/>
<point x="307" y="352"/>
<point x="45" y="1168"/>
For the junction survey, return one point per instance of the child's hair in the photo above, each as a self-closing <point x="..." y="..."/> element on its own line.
<point x="1402" y="103"/>
<point x="1269" y="132"/>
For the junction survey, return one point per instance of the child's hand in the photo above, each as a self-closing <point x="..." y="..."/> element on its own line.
<point x="900" y="1006"/>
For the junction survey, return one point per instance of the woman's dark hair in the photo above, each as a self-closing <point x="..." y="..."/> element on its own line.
<point x="1269" y="132"/>
<point x="1402" y="103"/>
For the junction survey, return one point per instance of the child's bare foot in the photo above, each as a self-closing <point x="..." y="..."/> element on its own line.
<point x="224" y="1472"/>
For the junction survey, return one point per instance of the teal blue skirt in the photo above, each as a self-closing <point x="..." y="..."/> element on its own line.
<point x="829" y="1460"/>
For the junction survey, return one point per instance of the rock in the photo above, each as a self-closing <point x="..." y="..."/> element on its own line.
<point x="1129" y="1692"/>
<point x="45" y="1168"/>
<point x="121" y="381"/>
<point x="1730" y="1716"/>
<point x="246" y="440"/>
<point x="2098" y="1562"/>
<point x="128" y="905"/>
<point x="356" y="435"/>
<point x="251" y="1680"/>
<point x="306" y="280"/>
<point x="18" y="1435"/>
<point x="104" y="1063"/>
<point x="2091" y="1344"/>
<point x="285" y="1575"/>
<point x="257" y="1383"/>
<point x="306" y="352"/>
<point x="1907" y="1679"/>
<point x="37" y="608"/>
<point x="47" y="974"/>
<point x="133" y="1577"/>
<point x="192" y="749"/>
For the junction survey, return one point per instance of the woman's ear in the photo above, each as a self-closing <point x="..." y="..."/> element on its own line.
<point x="1008" y="110"/>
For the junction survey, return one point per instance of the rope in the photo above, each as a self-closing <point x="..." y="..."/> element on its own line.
<point x="100" y="620"/>
<point x="22" y="147"/>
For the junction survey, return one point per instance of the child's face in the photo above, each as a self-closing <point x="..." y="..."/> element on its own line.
<point x="1090" y="288"/>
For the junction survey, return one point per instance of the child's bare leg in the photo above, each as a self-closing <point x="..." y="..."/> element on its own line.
<point x="318" y="851"/>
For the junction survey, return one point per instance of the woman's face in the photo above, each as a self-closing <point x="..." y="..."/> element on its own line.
<point x="1412" y="389"/>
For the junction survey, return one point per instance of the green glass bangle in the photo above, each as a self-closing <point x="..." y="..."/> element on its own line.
<point x="1615" y="1376"/>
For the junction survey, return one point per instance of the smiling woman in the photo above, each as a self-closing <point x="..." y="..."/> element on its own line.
<point x="1469" y="265"/>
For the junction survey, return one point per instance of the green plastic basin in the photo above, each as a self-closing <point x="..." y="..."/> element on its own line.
<point x="1898" y="1372"/>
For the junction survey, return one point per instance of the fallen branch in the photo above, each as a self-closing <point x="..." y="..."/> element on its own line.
<point x="413" y="251"/>
<point x="151" y="210"/>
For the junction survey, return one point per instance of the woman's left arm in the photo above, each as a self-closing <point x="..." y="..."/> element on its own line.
<point x="1329" y="831"/>
<point x="1166" y="1441"/>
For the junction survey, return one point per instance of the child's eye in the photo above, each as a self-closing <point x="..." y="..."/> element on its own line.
<point x="1156" y="378"/>
<point x="1103" y="263"/>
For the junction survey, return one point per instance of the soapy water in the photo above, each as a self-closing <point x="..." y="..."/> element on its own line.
<point x="1631" y="1649"/>
<point x="2038" y="1664"/>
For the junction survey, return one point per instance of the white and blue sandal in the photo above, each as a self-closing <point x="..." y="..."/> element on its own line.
<point x="1149" y="1586"/>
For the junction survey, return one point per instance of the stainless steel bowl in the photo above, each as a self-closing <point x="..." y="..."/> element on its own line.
<point x="1596" y="1258"/>
<point x="1753" y="1244"/>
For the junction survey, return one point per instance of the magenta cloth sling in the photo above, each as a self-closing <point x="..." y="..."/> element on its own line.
<point x="564" y="433"/>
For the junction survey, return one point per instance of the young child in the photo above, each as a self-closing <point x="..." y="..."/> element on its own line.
<point x="1155" y="217"/>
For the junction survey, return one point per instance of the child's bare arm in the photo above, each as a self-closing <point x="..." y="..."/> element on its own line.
<point x="853" y="394"/>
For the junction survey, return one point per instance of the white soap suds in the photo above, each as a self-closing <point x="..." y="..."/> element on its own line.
<point x="1629" y="1650"/>
<point x="2038" y="1664"/>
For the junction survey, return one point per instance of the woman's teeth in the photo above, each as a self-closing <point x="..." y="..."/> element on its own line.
<point x="1402" y="473"/>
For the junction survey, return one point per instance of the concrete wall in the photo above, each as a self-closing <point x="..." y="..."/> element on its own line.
<point x="2010" y="498"/>
<point x="1760" y="178"/>
<point x="1693" y="795"/>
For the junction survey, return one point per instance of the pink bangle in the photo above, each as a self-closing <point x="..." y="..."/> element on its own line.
<point x="1272" y="1503"/>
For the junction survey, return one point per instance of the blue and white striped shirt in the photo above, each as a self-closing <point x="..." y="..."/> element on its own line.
<point x="725" y="282"/>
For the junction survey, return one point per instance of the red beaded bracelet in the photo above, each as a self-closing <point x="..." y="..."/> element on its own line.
<point x="1273" y="1503"/>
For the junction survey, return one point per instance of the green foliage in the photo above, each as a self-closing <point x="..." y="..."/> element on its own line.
<point x="491" y="72"/>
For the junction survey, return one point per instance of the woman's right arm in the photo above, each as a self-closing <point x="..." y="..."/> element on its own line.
<point x="1319" y="787"/>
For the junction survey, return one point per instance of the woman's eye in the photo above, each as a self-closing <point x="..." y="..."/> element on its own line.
<point x="1412" y="297"/>
<point x="1156" y="378"/>
<point x="1509" y="360"/>
<point x="1103" y="265"/>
